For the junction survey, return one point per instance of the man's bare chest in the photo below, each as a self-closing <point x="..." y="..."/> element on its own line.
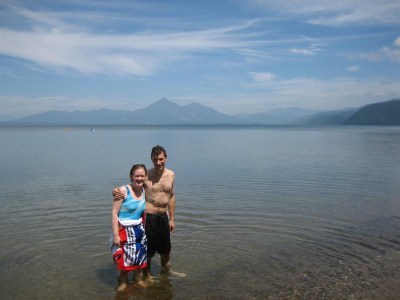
<point x="161" y="186"/>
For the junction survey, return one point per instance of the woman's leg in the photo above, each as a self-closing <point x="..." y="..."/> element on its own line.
<point x="122" y="280"/>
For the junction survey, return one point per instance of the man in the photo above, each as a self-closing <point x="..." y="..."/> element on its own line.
<point x="160" y="209"/>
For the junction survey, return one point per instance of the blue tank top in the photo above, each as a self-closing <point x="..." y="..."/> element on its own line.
<point x="132" y="209"/>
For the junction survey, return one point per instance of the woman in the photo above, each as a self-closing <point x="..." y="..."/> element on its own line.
<point x="128" y="240"/>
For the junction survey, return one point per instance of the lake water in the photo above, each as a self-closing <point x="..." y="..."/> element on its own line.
<point x="262" y="212"/>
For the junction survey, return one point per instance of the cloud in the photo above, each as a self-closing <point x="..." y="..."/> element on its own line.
<point x="315" y="93"/>
<point x="390" y="54"/>
<point x="262" y="77"/>
<point x="309" y="51"/>
<point x="336" y="13"/>
<point x="48" y="40"/>
<point x="384" y="53"/>
<point x="353" y="68"/>
<point x="86" y="53"/>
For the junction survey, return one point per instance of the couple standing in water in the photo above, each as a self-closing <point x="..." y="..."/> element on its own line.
<point x="143" y="216"/>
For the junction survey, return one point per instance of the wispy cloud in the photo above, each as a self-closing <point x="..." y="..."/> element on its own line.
<point x="384" y="53"/>
<point x="54" y="44"/>
<point x="262" y="77"/>
<point x="336" y="13"/>
<point x="316" y="93"/>
<point x="353" y="68"/>
<point x="309" y="51"/>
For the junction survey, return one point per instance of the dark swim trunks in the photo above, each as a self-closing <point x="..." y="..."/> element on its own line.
<point x="158" y="234"/>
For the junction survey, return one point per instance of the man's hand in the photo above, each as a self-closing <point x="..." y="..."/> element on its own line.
<point x="117" y="194"/>
<point x="171" y="225"/>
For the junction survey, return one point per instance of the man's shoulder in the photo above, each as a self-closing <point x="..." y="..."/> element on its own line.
<point x="169" y="172"/>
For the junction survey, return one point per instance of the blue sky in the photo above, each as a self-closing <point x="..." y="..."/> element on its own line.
<point x="232" y="55"/>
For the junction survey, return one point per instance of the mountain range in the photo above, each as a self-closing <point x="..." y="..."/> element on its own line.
<point x="166" y="112"/>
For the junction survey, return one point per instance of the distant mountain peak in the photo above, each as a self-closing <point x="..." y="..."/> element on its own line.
<point x="166" y="112"/>
<point x="164" y="100"/>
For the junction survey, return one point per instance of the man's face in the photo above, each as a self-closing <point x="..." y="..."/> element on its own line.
<point x="159" y="161"/>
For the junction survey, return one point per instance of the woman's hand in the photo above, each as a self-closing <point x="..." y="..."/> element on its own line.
<point x="117" y="240"/>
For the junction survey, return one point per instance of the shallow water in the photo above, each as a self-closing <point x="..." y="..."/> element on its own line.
<point x="262" y="212"/>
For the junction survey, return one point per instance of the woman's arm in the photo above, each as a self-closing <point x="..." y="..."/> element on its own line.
<point x="114" y="216"/>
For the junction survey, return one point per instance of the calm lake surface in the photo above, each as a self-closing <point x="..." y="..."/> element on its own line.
<point x="262" y="212"/>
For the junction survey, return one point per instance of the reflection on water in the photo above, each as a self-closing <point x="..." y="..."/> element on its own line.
<point x="263" y="213"/>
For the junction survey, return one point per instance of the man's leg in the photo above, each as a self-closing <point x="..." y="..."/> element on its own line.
<point x="166" y="266"/>
<point x="147" y="271"/>
<point x="165" y="262"/>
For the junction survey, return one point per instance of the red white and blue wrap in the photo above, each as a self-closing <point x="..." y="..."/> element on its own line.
<point x="132" y="254"/>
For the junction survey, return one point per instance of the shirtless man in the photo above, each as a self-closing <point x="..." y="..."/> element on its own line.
<point x="160" y="209"/>
<point x="160" y="198"/>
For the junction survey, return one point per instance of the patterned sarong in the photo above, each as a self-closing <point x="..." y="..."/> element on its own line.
<point x="133" y="253"/>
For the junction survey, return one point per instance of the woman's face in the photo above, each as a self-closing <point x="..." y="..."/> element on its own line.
<point x="138" y="177"/>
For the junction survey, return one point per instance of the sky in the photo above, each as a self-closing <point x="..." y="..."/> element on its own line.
<point x="236" y="56"/>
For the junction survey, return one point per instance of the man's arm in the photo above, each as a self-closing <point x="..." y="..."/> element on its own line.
<point x="171" y="206"/>
<point x="117" y="194"/>
<point x="171" y="211"/>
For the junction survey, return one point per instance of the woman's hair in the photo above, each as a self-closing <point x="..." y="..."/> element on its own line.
<point x="136" y="167"/>
<point x="157" y="150"/>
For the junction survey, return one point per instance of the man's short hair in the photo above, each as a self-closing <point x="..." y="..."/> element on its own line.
<point x="157" y="150"/>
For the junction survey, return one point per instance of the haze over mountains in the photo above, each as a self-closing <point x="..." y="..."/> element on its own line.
<point x="165" y="112"/>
